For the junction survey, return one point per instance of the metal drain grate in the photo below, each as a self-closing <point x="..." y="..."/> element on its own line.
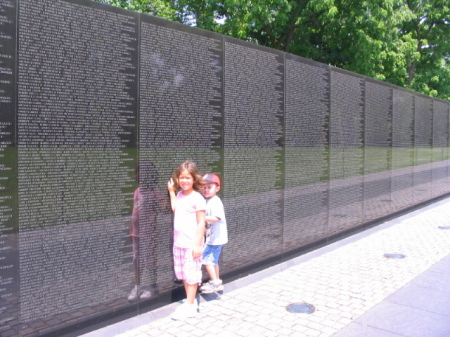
<point x="394" y="256"/>
<point x="301" y="308"/>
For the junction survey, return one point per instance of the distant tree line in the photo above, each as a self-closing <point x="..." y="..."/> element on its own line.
<point x="404" y="42"/>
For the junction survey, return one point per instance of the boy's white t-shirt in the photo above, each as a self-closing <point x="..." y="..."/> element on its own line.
<point x="216" y="233"/>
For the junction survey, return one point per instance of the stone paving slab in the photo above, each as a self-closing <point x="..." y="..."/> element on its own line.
<point x="421" y="308"/>
<point x="434" y="280"/>
<point x="419" y="297"/>
<point x="405" y="321"/>
<point x="346" y="282"/>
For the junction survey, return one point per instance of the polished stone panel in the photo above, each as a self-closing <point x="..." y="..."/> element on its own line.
<point x="9" y="257"/>
<point x="306" y="162"/>
<point x="423" y="139"/>
<point x="76" y="124"/>
<point x="253" y="152"/>
<point x="180" y="118"/>
<point x="439" y="179"/>
<point x="377" y="150"/>
<point x="402" y="190"/>
<point x="346" y="189"/>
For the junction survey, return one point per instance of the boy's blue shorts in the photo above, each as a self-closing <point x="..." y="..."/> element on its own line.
<point x="211" y="254"/>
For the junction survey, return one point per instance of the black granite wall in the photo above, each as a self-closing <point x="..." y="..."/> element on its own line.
<point x="306" y="153"/>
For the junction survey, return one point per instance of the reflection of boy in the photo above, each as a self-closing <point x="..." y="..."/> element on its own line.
<point x="216" y="233"/>
<point x="148" y="201"/>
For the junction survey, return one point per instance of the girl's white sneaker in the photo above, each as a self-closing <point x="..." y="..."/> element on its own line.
<point x="184" y="311"/>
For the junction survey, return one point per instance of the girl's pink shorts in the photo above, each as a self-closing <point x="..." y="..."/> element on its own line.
<point x="186" y="268"/>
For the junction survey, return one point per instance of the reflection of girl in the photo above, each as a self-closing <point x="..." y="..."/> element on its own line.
<point x="148" y="202"/>
<point x="189" y="228"/>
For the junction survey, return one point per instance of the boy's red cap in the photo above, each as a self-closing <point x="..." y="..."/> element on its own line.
<point x="211" y="178"/>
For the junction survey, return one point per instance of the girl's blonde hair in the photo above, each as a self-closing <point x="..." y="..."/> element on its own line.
<point x="191" y="167"/>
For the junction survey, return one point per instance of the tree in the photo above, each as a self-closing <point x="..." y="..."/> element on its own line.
<point x="429" y="67"/>
<point x="402" y="42"/>
<point x="361" y="36"/>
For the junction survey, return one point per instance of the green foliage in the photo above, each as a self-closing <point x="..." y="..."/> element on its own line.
<point x="429" y="71"/>
<point x="404" y="42"/>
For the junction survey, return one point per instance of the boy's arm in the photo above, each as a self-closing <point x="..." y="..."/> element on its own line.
<point x="173" y="197"/>
<point x="212" y="218"/>
<point x="197" y="250"/>
<point x="217" y="211"/>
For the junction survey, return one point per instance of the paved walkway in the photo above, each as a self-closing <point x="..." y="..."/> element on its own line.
<point x="354" y="288"/>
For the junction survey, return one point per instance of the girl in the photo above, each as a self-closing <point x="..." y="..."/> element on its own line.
<point x="189" y="228"/>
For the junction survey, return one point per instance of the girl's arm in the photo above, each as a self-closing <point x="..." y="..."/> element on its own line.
<point x="197" y="250"/>
<point x="173" y="197"/>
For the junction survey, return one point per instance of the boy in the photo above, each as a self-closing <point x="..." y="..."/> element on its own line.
<point x="216" y="233"/>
